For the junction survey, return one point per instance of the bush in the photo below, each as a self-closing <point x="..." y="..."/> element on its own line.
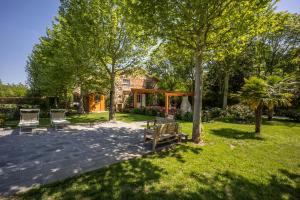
<point x="126" y="110"/>
<point x="293" y="114"/>
<point x="2" y="119"/>
<point x="177" y="116"/>
<point x="136" y="111"/>
<point x="188" y="117"/>
<point x="238" y="113"/>
<point x="145" y="111"/>
<point x="12" y="111"/>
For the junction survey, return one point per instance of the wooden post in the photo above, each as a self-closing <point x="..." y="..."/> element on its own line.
<point x="135" y="99"/>
<point x="166" y="104"/>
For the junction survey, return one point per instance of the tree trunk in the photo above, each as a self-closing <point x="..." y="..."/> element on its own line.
<point x="80" y="105"/>
<point x="196" y="135"/>
<point x="66" y="99"/>
<point x="55" y="102"/>
<point x="270" y="114"/>
<point x="112" y="95"/>
<point x="258" y="119"/>
<point x="225" y="92"/>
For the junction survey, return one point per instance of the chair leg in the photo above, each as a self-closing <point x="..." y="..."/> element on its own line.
<point x="144" y="137"/>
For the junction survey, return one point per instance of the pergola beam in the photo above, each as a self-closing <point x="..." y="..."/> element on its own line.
<point x="167" y="94"/>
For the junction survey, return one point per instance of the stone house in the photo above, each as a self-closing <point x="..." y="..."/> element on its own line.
<point x="126" y="83"/>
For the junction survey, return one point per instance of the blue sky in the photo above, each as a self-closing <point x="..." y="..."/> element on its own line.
<point x="22" y="22"/>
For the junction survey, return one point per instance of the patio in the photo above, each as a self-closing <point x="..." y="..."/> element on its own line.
<point x="32" y="159"/>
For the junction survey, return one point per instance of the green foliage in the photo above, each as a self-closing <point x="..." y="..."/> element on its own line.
<point x="148" y="111"/>
<point x="173" y="66"/>
<point x="238" y="113"/>
<point x="272" y="92"/>
<point x="13" y="90"/>
<point x="2" y="119"/>
<point x="293" y="114"/>
<point x="188" y="117"/>
<point x="254" y="92"/>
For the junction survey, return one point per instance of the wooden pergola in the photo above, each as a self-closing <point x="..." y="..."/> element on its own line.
<point x="166" y="93"/>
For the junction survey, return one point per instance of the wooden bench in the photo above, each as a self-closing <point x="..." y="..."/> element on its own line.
<point x="162" y="133"/>
<point x="158" y="120"/>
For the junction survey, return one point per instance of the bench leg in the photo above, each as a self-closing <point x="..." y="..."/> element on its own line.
<point x="145" y="138"/>
<point x="154" y="144"/>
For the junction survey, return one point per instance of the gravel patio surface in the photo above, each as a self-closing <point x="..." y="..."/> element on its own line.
<point x="45" y="156"/>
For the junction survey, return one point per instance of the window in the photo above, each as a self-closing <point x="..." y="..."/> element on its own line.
<point x="139" y="98"/>
<point x="126" y="82"/>
<point x="97" y="98"/>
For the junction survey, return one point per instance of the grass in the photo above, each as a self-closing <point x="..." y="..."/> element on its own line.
<point x="98" y="117"/>
<point x="88" y="118"/>
<point x="233" y="164"/>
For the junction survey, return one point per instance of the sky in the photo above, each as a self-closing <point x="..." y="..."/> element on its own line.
<point x="22" y="22"/>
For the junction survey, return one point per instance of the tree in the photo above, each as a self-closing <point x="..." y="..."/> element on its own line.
<point x="173" y="66"/>
<point x="116" y="43"/>
<point x="64" y="59"/>
<point x="259" y="93"/>
<point x="197" y="26"/>
<point x="47" y="67"/>
<point x="13" y="90"/>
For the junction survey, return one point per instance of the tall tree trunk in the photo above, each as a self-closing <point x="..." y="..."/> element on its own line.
<point x="55" y="101"/>
<point x="112" y="94"/>
<point x="80" y="105"/>
<point x="270" y="114"/>
<point x="196" y="135"/>
<point x="258" y="118"/>
<point x="66" y="99"/>
<point x="225" y="92"/>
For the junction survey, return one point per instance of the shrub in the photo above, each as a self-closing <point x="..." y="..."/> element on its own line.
<point x="153" y="112"/>
<point x="293" y="114"/>
<point x="2" y="119"/>
<point x="188" y="116"/>
<point x="145" y="111"/>
<point x="177" y="116"/>
<point x="136" y="110"/>
<point x="238" y="113"/>
<point x="126" y="110"/>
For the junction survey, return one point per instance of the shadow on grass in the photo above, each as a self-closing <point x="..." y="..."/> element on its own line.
<point x="281" y="122"/>
<point x="141" y="179"/>
<point x="178" y="152"/>
<point x="235" y="134"/>
<point x="125" y="180"/>
<point x="228" y="185"/>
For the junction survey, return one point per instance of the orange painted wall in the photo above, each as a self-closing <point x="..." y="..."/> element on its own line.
<point x="96" y="106"/>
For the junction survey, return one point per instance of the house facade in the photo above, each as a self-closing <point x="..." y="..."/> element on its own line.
<point x="124" y="87"/>
<point x="96" y="102"/>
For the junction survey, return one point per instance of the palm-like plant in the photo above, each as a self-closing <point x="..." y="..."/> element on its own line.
<point x="259" y="93"/>
<point x="278" y="93"/>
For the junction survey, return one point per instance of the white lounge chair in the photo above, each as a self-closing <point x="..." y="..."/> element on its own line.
<point x="58" y="118"/>
<point x="29" y="118"/>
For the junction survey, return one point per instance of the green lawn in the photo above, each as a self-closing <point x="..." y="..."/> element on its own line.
<point x="88" y="118"/>
<point x="233" y="164"/>
<point x="98" y="117"/>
